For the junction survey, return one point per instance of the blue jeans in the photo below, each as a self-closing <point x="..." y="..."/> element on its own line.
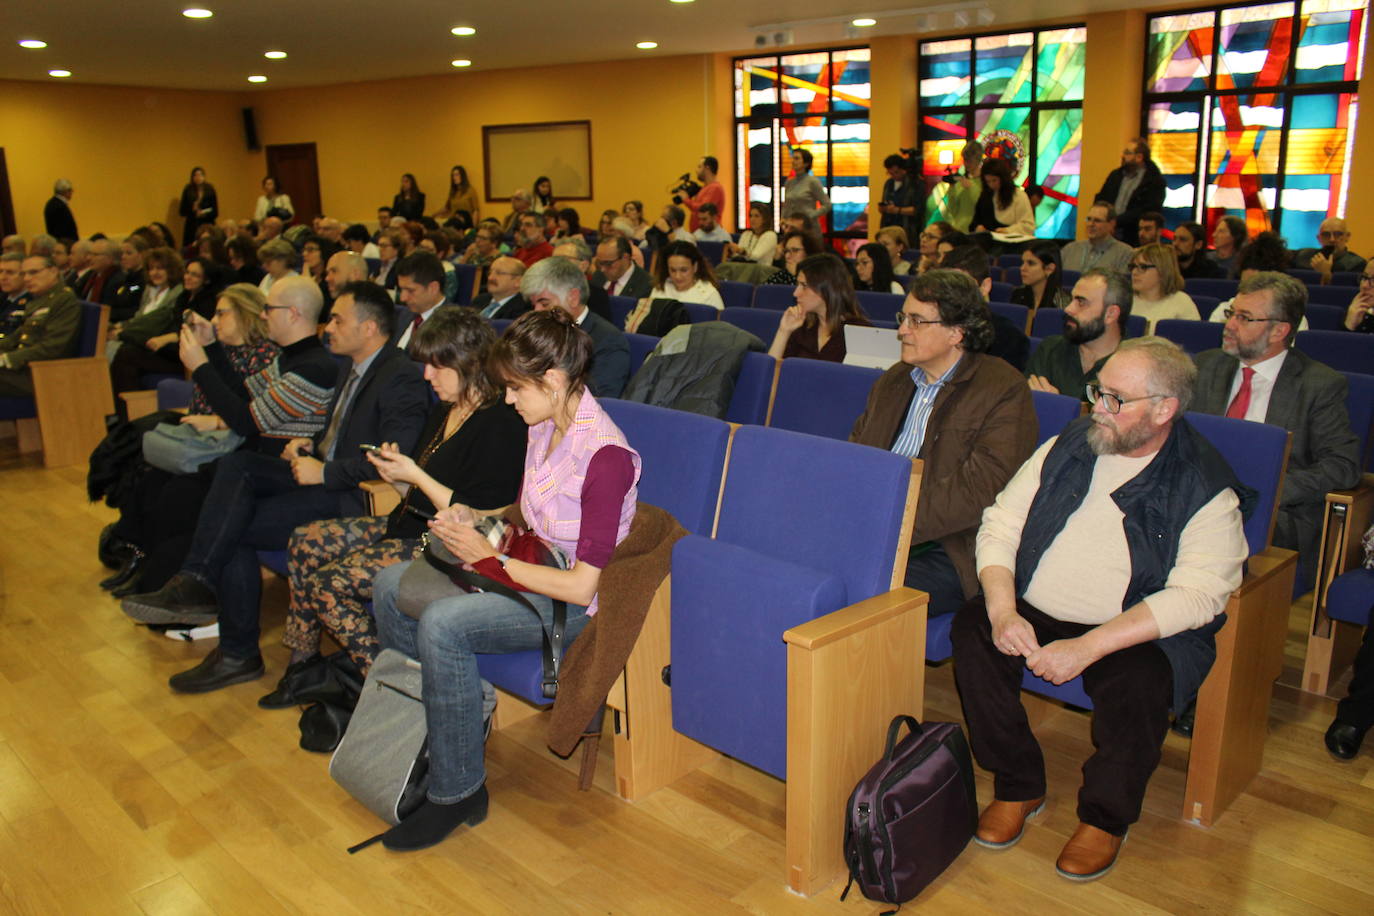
<point x="447" y="639"/>
<point x="254" y="504"/>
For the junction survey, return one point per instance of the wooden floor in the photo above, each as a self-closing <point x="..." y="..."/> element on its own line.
<point x="118" y="797"/>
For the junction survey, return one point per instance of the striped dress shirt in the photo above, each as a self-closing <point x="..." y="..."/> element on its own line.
<point x="913" y="433"/>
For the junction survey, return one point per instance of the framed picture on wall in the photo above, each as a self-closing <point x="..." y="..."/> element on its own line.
<point x="515" y="155"/>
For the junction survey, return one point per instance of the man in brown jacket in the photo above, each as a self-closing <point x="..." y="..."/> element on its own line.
<point x="967" y="415"/>
<point x="51" y="323"/>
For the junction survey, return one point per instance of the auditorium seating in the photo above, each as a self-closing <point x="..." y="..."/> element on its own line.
<point x="468" y="275"/>
<point x="881" y="306"/>
<point x="753" y="389"/>
<point x="1335" y="296"/>
<point x="1341" y="350"/>
<point x="1221" y="288"/>
<point x="71" y="397"/>
<point x="762" y="323"/>
<point x="1193" y="336"/>
<point x="774" y="296"/>
<point x="736" y="294"/>
<point x="1018" y="315"/>
<point x="711" y="251"/>
<point x="1001" y="292"/>
<point x="699" y="313"/>
<point x="1054" y="412"/>
<point x="820" y="398"/>
<point x="1327" y="317"/>
<point x="621" y="307"/>
<point x="641" y="345"/>
<point x="1048" y="322"/>
<point x="1231" y="722"/>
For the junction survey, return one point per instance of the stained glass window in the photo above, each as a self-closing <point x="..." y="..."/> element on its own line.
<point x="1024" y="89"/>
<point x="817" y="101"/>
<point x="1251" y="111"/>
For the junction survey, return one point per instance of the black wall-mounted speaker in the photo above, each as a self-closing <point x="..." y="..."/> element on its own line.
<point x="250" y="131"/>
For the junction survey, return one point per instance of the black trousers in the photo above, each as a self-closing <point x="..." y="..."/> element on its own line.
<point x="1357" y="709"/>
<point x="132" y="361"/>
<point x="1131" y="691"/>
<point x="932" y="571"/>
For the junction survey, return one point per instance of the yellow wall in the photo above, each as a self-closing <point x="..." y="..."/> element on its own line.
<point x="1111" y="97"/>
<point x="128" y="152"/>
<point x="892" y="117"/>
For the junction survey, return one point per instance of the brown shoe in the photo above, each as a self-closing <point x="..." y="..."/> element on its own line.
<point x="1089" y="854"/>
<point x="1003" y="822"/>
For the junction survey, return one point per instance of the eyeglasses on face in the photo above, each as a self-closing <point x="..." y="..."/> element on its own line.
<point x="1367" y="280"/>
<point x="1242" y="316"/>
<point x="1141" y="266"/>
<point x="914" y="320"/>
<point x="1112" y="403"/>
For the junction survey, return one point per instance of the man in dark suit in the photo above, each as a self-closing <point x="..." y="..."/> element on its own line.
<point x="57" y="212"/>
<point x="616" y="272"/>
<point x="256" y="500"/>
<point x="1257" y="375"/>
<point x="560" y="283"/>
<point x="104" y="276"/>
<point x="420" y="283"/>
<point x="579" y="252"/>
<point x="502" y="300"/>
<point x="1137" y="187"/>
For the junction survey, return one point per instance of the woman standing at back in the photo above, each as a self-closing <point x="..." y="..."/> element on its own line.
<point x="199" y="205"/>
<point x="409" y="202"/>
<point x="462" y="196"/>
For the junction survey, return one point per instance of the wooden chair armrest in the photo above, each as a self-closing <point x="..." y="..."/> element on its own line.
<point x="58" y="366"/>
<point x="856" y="618"/>
<point x="1346" y="518"/>
<point x="381" y="496"/>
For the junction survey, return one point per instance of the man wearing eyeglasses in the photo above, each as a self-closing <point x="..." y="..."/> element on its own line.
<point x="1109" y="555"/>
<point x="616" y="272"/>
<point x="1101" y="248"/>
<point x="1257" y="375"/>
<point x="967" y="414"/>
<point x="1360" y="314"/>
<point x="47" y="329"/>
<point x="1334" y="253"/>
<point x="502" y="300"/>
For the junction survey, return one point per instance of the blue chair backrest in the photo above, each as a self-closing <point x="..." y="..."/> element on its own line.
<point x="641" y="345"/>
<point x="821" y="398"/>
<point x="683" y="456"/>
<point x="1257" y="453"/>
<point x="173" y="393"/>
<point x="1206" y="305"/>
<point x="373" y="265"/>
<point x="1016" y="314"/>
<point x="880" y="323"/>
<point x="736" y="294"/>
<point x="1359" y="403"/>
<point x="1193" y="336"/>
<point x="500" y="324"/>
<point x="1135" y="326"/>
<point x="621" y="307"/>
<point x="1035" y="343"/>
<point x="775" y="297"/>
<point x="753" y="389"/>
<point x="712" y="251"/>
<point x="1070" y="278"/>
<point x="1008" y="260"/>
<point x="762" y="323"/>
<point x="1047" y="323"/>
<point x="467" y="281"/>
<point x="1221" y="288"/>
<point x="1001" y="292"/>
<point x="1327" y="317"/>
<point x="1310" y="277"/>
<point x="796" y="497"/>
<point x="698" y="313"/>
<point x="911" y="254"/>
<point x="1346" y="278"/>
<point x="1054" y="412"/>
<point x="1331" y="296"/>
<point x="1341" y="350"/>
<point x="880" y="305"/>
<point x="905" y="280"/>
<point x="90" y="329"/>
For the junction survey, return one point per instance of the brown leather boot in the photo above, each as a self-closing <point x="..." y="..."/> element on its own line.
<point x="1003" y="822"/>
<point x="1089" y="854"/>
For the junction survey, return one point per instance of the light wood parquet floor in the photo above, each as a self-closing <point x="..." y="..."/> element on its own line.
<point x="118" y="797"/>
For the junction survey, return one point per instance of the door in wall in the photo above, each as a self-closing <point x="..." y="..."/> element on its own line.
<point x="298" y="175"/>
<point x="7" y="224"/>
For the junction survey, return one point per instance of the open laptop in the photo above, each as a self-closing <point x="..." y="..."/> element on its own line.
<point x="872" y="348"/>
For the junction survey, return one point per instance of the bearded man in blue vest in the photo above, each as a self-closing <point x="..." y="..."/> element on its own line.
<point x="1111" y="555"/>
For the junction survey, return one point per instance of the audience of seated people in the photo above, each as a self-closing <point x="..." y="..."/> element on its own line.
<point x="149" y="343"/>
<point x="559" y="283"/>
<point x="894" y="240"/>
<point x="1359" y="315"/>
<point x="502" y="299"/>
<point x="1009" y="341"/>
<point x="616" y="271"/>
<point x="1158" y="286"/>
<point x="873" y="270"/>
<point x="576" y="249"/>
<point x="681" y="273"/>
<point x="420" y="288"/>
<point x="1194" y="260"/>
<point x="758" y="242"/>
<point x="1229" y="237"/>
<point x="1101" y="248"/>
<point x="1003" y="206"/>
<point x="1094" y="326"/>
<point x="797" y="246"/>
<point x="48" y="328"/>
<point x="531" y="245"/>
<point x="1042" y="278"/>
<point x="814" y="327"/>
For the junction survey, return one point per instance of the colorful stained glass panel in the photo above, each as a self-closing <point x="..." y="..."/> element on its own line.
<point x="1173" y="129"/>
<point x="1059" y="137"/>
<point x="1329" y="30"/>
<point x="1243" y="158"/>
<point x="1059" y="65"/>
<point x="1002" y="68"/>
<point x="946" y="69"/>
<point x="1179" y="53"/>
<point x="1255" y="44"/>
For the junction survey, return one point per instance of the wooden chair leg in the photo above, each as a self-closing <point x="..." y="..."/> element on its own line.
<point x="30" y="436"/>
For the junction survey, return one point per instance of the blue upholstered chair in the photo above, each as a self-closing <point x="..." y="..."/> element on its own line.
<point x="1223" y="289"/>
<point x="500" y="324"/>
<point x="373" y="265"/>
<point x="774" y="296"/>
<point x="174" y="393"/>
<point x="1018" y="315"/>
<point x="753" y="395"/>
<point x="1054" y="412"/>
<point x="1192" y="336"/>
<point x="1359" y="403"/>
<point x="880" y="305"/>
<point x="762" y="323"/>
<point x="467" y="282"/>
<point x="699" y="313"/>
<point x="1070" y="278"/>
<point x="1001" y="292"/>
<point x="1327" y="317"/>
<point x="1334" y="296"/>
<point x="736" y="294"/>
<point x="1341" y="350"/>
<point x="1206" y="305"/>
<point x="1009" y="261"/>
<point x="1310" y="277"/>
<point x="711" y="251"/>
<point x="820" y="398"/>
<point x="641" y="345"/>
<point x="621" y="307"/>
<point x="1232" y="707"/>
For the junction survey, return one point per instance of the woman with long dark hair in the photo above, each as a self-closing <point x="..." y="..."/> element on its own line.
<point x="814" y="327"/>
<point x="1042" y="278"/>
<point x="271" y="199"/>
<point x="409" y="202"/>
<point x="1003" y="206"/>
<point x="1228" y="238"/>
<point x="873" y="267"/>
<point x="199" y="206"/>
<point x="461" y="196"/>
<point x="542" y="197"/>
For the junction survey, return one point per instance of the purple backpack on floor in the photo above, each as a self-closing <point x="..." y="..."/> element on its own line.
<point x="912" y="814"/>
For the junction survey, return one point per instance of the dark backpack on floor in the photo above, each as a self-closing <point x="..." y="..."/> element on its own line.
<point x="912" y="814"/>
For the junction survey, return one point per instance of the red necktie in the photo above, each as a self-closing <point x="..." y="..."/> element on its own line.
<point x="1241" y="402"/>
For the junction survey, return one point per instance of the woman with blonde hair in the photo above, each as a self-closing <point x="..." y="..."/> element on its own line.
<point x="1157" y="285"/>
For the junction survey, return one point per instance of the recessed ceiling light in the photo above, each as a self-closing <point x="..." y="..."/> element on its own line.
<point x="461" y="62"/>
<point x="33" y="43"/>
<point x="679" y="1"/>
<point x="463" y="30"/>
<point x="646" y="45"/>
<point x="257" y="78"/>
<point x="196" y="12"/>
<point x="60" y="74"/>
<point x="863" y="23"/>
<point x="274" y="55"/>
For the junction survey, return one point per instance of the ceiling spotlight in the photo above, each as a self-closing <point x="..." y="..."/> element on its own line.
<point x="679" y="1"/>
<point x="863" y="23"/>
<point x="274" y="55"/>
<point x="257" y="78"/>
<point x="32" y="43"/>
<point x="463" y="30"/>
<point x="461" y="62"/>
<point x="60" y="74"/>
<point x="197" y="12"/>
<point x="646" y="45"/>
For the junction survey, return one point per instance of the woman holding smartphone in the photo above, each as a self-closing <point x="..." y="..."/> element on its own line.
<point x="471" y="453"/>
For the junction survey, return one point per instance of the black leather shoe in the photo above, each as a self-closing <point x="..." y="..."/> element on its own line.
<point x="133" y="562"/>
<point x="1183" y="722"/>
<point x="307" y="672"/>
<point x="217" y="670"/>
<point x="1343" y="739"/>
<point x="181" y="600"/>
<point x="431" y="823"/>
<point x="111" y="548"/>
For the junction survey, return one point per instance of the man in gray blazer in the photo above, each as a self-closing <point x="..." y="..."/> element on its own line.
<point x="1257" y="375"/>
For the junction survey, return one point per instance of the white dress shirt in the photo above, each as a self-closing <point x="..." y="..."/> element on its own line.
<point x="1261" y="386"/>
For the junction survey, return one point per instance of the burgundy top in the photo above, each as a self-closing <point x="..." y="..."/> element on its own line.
<point x="803" y="342"/>
<point x="609" y="476"/>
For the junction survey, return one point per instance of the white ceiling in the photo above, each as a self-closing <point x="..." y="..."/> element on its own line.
<point x="149" y="42"/>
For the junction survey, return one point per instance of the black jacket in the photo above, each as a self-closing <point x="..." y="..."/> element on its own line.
<point x="515" y="306"/>
<point x="58" y="219"/>
<point x="1148" y="196"/>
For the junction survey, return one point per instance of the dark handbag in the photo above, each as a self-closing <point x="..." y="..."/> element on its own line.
<point x="333" y="694"/>
<point x="912" y="814"/>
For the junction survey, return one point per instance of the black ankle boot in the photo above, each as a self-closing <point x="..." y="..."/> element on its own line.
<point x="431" y="823"/>
<point x="111" y="548"/>
<point x="298" y="675"/>
<point x="129" y="568"/>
